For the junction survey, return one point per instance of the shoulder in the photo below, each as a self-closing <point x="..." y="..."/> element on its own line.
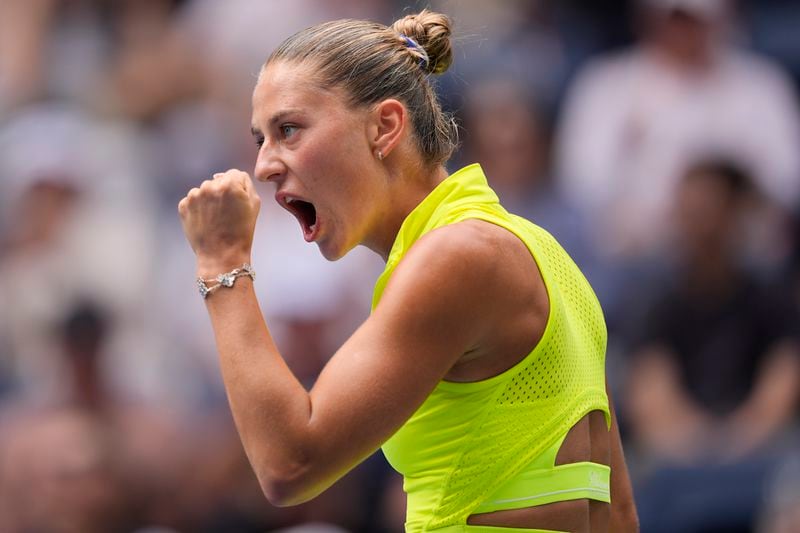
<point x="749" y="67"/>
<point x="470" y="274"/>
<point x="466" y="252"/>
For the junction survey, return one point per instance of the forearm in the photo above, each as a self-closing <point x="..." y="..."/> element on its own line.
<point x="771" y="404"/>
<point x="270" y="407"/>
<point x="663" y="417"/>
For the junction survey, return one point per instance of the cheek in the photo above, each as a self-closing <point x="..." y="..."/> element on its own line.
<point x="333" y="154"/>
<point x="336" y="160"/>
<point x="338" y="168"/>
<point x="347" y="141"/>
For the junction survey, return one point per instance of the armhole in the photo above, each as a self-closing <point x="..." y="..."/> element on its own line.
<point x="546" y="334"/>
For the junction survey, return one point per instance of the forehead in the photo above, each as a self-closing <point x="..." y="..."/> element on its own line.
<point x="284" y="86"/>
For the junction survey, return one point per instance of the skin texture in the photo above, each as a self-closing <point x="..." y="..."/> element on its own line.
<point x="317" y="148"/>
<point x="448" y="302"/>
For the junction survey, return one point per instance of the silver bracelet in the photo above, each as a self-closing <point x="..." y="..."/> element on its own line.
<point x="224" y="280"/>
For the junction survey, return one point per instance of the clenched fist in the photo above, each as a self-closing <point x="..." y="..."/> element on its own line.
<point x="219" y="219"/>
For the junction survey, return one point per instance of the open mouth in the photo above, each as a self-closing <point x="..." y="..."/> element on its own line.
<point x="306" y="214"/>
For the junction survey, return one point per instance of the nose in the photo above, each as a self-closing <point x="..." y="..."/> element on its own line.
<point x="269" y="167"/>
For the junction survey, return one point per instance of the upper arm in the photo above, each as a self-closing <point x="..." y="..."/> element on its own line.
<point x="437" y="306"/>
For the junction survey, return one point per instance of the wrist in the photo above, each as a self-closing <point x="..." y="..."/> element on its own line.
<point x="211" y="267"/>
<point x="224" y="279"/>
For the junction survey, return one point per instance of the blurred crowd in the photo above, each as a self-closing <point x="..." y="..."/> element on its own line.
<point x="658" y="140"/>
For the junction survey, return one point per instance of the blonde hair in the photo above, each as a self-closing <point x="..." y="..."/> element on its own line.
<point x="372" y="62"/>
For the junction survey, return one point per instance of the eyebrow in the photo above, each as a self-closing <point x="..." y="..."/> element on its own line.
<point x="277" y="117"/>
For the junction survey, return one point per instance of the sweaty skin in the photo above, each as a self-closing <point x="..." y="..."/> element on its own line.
<point x="448" y="302"/>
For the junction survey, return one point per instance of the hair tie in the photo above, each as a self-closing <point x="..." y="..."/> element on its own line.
<point x="411" y="43"/>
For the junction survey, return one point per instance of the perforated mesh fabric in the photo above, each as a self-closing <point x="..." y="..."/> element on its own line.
<point x="541" y="399"/>
<point x="468" y="439"/>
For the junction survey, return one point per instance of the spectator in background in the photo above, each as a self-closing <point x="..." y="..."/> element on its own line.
<point x="91" y="461"/>
<point x="513" y="39"/>
<point x="60" y="474"/>
<point x="77" y="180"/>
<point x="510" y="136"/>
<point x="86" y="462"/>
<point x="633" y="120"/>
<point x="64" y="49"/>
<point x="715" y="379"/>
<point x="24" y="29"/>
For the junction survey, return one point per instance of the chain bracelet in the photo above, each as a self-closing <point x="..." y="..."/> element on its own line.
<point x="224" y="280"/>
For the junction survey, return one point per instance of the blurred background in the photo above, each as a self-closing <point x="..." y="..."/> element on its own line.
<point x="658" y="140"/>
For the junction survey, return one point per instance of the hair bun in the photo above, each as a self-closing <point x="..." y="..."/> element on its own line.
<point x="432" y="32"/>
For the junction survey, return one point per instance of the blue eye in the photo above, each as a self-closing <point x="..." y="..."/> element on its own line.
<point x="287" y="130"/>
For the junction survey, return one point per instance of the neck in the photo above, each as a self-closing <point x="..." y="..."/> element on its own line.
<point x="691" y="63"/>
<point x="405" y="191"/>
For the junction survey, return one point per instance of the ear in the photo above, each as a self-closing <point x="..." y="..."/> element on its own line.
<point x="388" y="120"/>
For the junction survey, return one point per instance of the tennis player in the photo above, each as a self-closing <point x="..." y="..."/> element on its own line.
<point x="481" y="368"/>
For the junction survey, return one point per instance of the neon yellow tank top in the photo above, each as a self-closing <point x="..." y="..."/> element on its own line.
<point x="469" y="439"/>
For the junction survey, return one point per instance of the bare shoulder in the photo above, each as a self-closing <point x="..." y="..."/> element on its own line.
<point x="479" y="279"/>
<point x="444" y="275"/>
<point x="463" y="260"/>
<point x="471" y="245"/>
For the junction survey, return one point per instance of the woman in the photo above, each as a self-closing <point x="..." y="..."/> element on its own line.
<point x="480" y="370"/>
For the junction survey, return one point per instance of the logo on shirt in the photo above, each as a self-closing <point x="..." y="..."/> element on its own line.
<point x="595" y="481"/>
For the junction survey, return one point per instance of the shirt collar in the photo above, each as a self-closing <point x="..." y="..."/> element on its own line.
<point x="468" y="185"/>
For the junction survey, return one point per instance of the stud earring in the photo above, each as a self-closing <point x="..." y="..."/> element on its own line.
<point x="379" y="155"/>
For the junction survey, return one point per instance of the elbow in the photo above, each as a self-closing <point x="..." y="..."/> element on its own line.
<point x="280" y="494"/>
<point x="283" y="494"/>
<point x="288" y="487"/>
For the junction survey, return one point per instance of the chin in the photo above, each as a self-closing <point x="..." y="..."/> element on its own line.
<point x="332" y="252"/>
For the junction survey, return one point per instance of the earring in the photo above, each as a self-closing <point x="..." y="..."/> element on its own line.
<point x="379" y="155"/>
